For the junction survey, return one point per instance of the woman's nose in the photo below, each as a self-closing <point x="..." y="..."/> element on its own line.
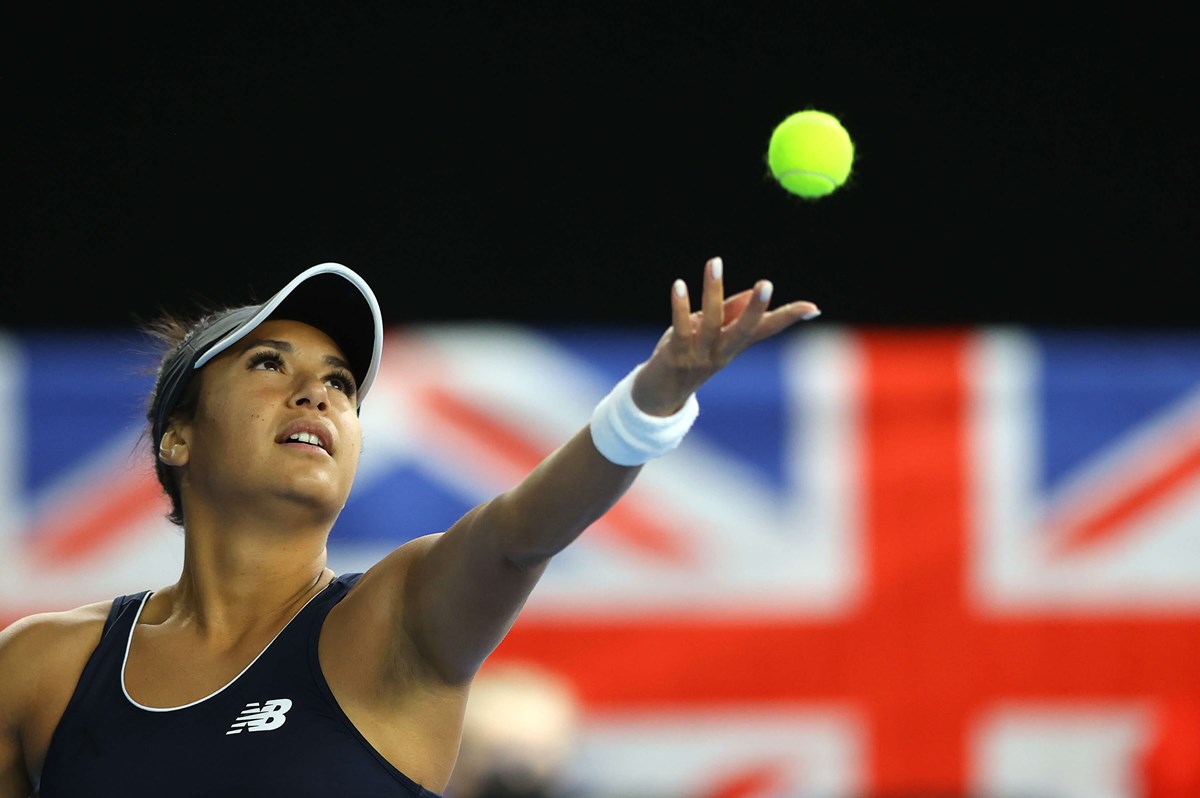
<point x="311" y="390"/>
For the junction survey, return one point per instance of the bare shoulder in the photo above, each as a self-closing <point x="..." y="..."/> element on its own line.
<point x="55" y="627"/>
<point x="368" y="621"/>
<point x="41" y="657"/>
<point x="57" y="641"/>
<point x="374" y="598"/>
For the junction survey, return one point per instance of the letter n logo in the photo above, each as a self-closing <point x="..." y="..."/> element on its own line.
<point x="268" y="716"/>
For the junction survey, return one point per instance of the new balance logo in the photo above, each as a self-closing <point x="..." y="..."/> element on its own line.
<point x="262" y="717"/>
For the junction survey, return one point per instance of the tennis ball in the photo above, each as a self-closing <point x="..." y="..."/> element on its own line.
<point x="810" y="154"/>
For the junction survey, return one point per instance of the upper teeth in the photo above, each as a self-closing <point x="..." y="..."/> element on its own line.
<point x="305" y="437"/>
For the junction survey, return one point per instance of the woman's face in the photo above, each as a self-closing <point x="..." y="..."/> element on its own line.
<point x="275" y="422"/>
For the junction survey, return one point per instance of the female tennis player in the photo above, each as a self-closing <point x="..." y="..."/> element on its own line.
<point x="261" y="672"/>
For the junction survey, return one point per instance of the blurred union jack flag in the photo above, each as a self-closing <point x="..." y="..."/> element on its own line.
<point x="886" y="562"/>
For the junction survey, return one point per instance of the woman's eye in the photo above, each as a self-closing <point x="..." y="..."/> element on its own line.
<point x="341" y="383"/>
<point x="266" y="362"/>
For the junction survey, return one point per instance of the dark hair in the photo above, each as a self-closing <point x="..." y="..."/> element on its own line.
<point x="172" y="334"/>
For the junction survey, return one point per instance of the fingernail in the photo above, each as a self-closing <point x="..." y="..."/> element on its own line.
<point x="812" y="314"/>
<point x="765" y="291"/>
<point x="680" y="288"/>
<point x="716" y="268"/>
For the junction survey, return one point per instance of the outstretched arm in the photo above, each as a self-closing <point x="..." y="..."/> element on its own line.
<point x="464" y="588"/>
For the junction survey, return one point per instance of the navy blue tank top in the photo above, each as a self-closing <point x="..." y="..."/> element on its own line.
<point x="275" y="730"/>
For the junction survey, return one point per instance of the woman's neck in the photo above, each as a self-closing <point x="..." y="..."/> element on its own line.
<point x="240" y="573"/>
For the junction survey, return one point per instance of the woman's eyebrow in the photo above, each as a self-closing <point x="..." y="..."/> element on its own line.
<point x="271" y="342"/>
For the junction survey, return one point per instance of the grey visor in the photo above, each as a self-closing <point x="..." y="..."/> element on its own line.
<point x="328" y="296"/>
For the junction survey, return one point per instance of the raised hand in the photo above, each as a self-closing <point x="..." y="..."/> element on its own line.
<point x="700" y="343"/>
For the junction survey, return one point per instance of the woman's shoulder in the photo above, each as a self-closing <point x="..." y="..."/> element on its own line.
<point x="46" y="633"/>
<point x="41" y="657"/>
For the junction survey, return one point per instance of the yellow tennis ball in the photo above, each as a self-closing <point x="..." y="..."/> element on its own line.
<point x="810" y="154"/>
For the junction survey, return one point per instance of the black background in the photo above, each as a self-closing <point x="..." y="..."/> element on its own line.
<point x="564" y="162"/>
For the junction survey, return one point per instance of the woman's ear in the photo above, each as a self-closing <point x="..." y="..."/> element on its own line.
<point x="172" y="449"/>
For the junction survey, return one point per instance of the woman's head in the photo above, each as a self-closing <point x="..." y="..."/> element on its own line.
<point x="328" y="300"/>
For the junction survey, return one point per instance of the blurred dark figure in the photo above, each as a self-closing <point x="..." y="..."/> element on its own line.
<point x="519" y="734"/>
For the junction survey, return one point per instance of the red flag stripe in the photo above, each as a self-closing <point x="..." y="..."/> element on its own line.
<point x="96" y="520"/>
<point x="1098" y="526"/>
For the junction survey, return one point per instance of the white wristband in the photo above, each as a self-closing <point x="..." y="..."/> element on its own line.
<point x="627" y="435"/>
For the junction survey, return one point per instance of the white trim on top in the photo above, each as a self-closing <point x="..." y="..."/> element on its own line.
<point x="129" y="642"/>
